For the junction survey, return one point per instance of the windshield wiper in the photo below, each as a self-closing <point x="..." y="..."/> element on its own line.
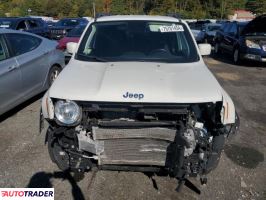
<point x="90" y="58"/>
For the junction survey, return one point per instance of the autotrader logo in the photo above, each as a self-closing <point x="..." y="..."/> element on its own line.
<point x="27" y="193"/>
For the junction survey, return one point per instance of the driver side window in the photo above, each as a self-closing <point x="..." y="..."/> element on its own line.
<point x="233" y="29"/>
<point x="33" y="24"/>
<point x="3" y="49"/>
<point x="22" y="25"/>
<point x="22" y="43"/>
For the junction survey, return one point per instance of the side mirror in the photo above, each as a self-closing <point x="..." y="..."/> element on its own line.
<point x="205" y="49"/>
<point x="72" y="47"/>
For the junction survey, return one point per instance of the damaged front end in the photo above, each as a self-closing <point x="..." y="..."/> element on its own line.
<point x="179" y="140"/>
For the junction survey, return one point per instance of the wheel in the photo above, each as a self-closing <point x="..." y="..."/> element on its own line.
<point x="217" y="147"/>
<point x="217" y="48"/>
<point x="53" y="74"/>
<point x="236" y="57"/>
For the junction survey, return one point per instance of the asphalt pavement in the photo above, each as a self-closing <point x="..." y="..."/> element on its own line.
<point x="241" y="173"/>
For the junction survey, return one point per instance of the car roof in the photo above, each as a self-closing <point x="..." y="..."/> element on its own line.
<point x="138" y="17"/>
<point x="4" y="30"/>
<point x="237" y="22"/>
<point x="18" y="18"/>
<point x="71" y="18"/>
<point x="242" y="23"/>
<point x="213" y="24"/>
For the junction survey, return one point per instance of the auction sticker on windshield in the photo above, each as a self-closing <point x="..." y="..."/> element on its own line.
<point x="27" y="193"/>
<point x="173" y="28"/>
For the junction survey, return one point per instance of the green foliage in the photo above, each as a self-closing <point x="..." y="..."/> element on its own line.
<point x="16" y="12"/>
<point x="75" y="8"/>
<point x="256" y="6"/>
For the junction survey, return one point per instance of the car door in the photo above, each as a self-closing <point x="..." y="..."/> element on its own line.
<point x="232" y="37"/>
<point x="226" y="37"/>
<point x="10" y="79"/>
<point x="221" y="35"/>
<point x="31" y="59"/>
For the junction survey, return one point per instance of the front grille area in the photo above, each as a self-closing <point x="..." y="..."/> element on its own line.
<point x="57" y="32"/>
<point x="134" y="111"/>
<point x="144" y="146"/>
<point x="131" y="134"/>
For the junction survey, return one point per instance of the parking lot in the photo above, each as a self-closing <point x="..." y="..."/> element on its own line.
<point x="240" y="174"/>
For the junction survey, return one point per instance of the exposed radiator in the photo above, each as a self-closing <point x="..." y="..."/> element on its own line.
<point x="142" y="146"/>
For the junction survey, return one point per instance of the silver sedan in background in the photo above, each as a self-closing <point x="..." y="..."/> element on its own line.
<point x="28" y="66"/>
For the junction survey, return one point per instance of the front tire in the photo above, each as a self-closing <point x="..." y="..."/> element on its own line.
<point x="53" y="74"/>
<point x="217" y="147"/>
<point x="236" y="56"/>
<point x="56" y="153"/>
<point x="217" y="48"/>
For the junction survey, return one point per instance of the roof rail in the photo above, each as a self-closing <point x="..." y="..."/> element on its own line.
<point x="175" y="15"/>
<point x="98" y="15"/>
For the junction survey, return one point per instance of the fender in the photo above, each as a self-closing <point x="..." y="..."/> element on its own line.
<point x="228" y="112"/>
<point x="47" y="107"/>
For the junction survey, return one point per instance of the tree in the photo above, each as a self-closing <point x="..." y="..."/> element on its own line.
<point x="187" y="8"/>
<point x="16" y="12"/>
<point x="107" y="6"/>
<point x="118" y="7"/>
<point x="256" y="6"/>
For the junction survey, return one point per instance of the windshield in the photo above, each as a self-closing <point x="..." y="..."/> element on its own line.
<point x="76" y="32"/>
<point x="241" y="27"/>
<point x="214" y="27"/>
<point x="68" y="22"/>
<point x="138" y="41"/>
<point x="195" y="26"/>
<point x="5" y="23"/>
<point x="256" y="27"/>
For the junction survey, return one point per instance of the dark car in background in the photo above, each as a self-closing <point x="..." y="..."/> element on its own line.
<point x="72" y="36"/>
<point x="209" y="32"/>
<point x="197" y="29"/>
<point x="50" y="23"/>
<point x="243" y="40"/>
<point x="63" y="26"/>
<point x="33" y="25"/>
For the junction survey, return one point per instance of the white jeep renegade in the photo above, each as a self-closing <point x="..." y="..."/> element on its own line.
<point x="137" y="96"/>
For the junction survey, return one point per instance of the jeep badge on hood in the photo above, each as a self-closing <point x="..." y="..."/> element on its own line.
<point x="133" y="95"/>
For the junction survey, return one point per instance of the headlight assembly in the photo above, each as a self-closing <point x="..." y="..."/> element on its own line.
<point x="252" y="44"/>
<point x="67" y="112"/>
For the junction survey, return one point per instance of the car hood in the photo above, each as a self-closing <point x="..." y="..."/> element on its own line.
<point x="156" y="83"/>
<point x="65" y="40"/>
<point x="256" y="26"/>
<point x="61" y="27"/>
